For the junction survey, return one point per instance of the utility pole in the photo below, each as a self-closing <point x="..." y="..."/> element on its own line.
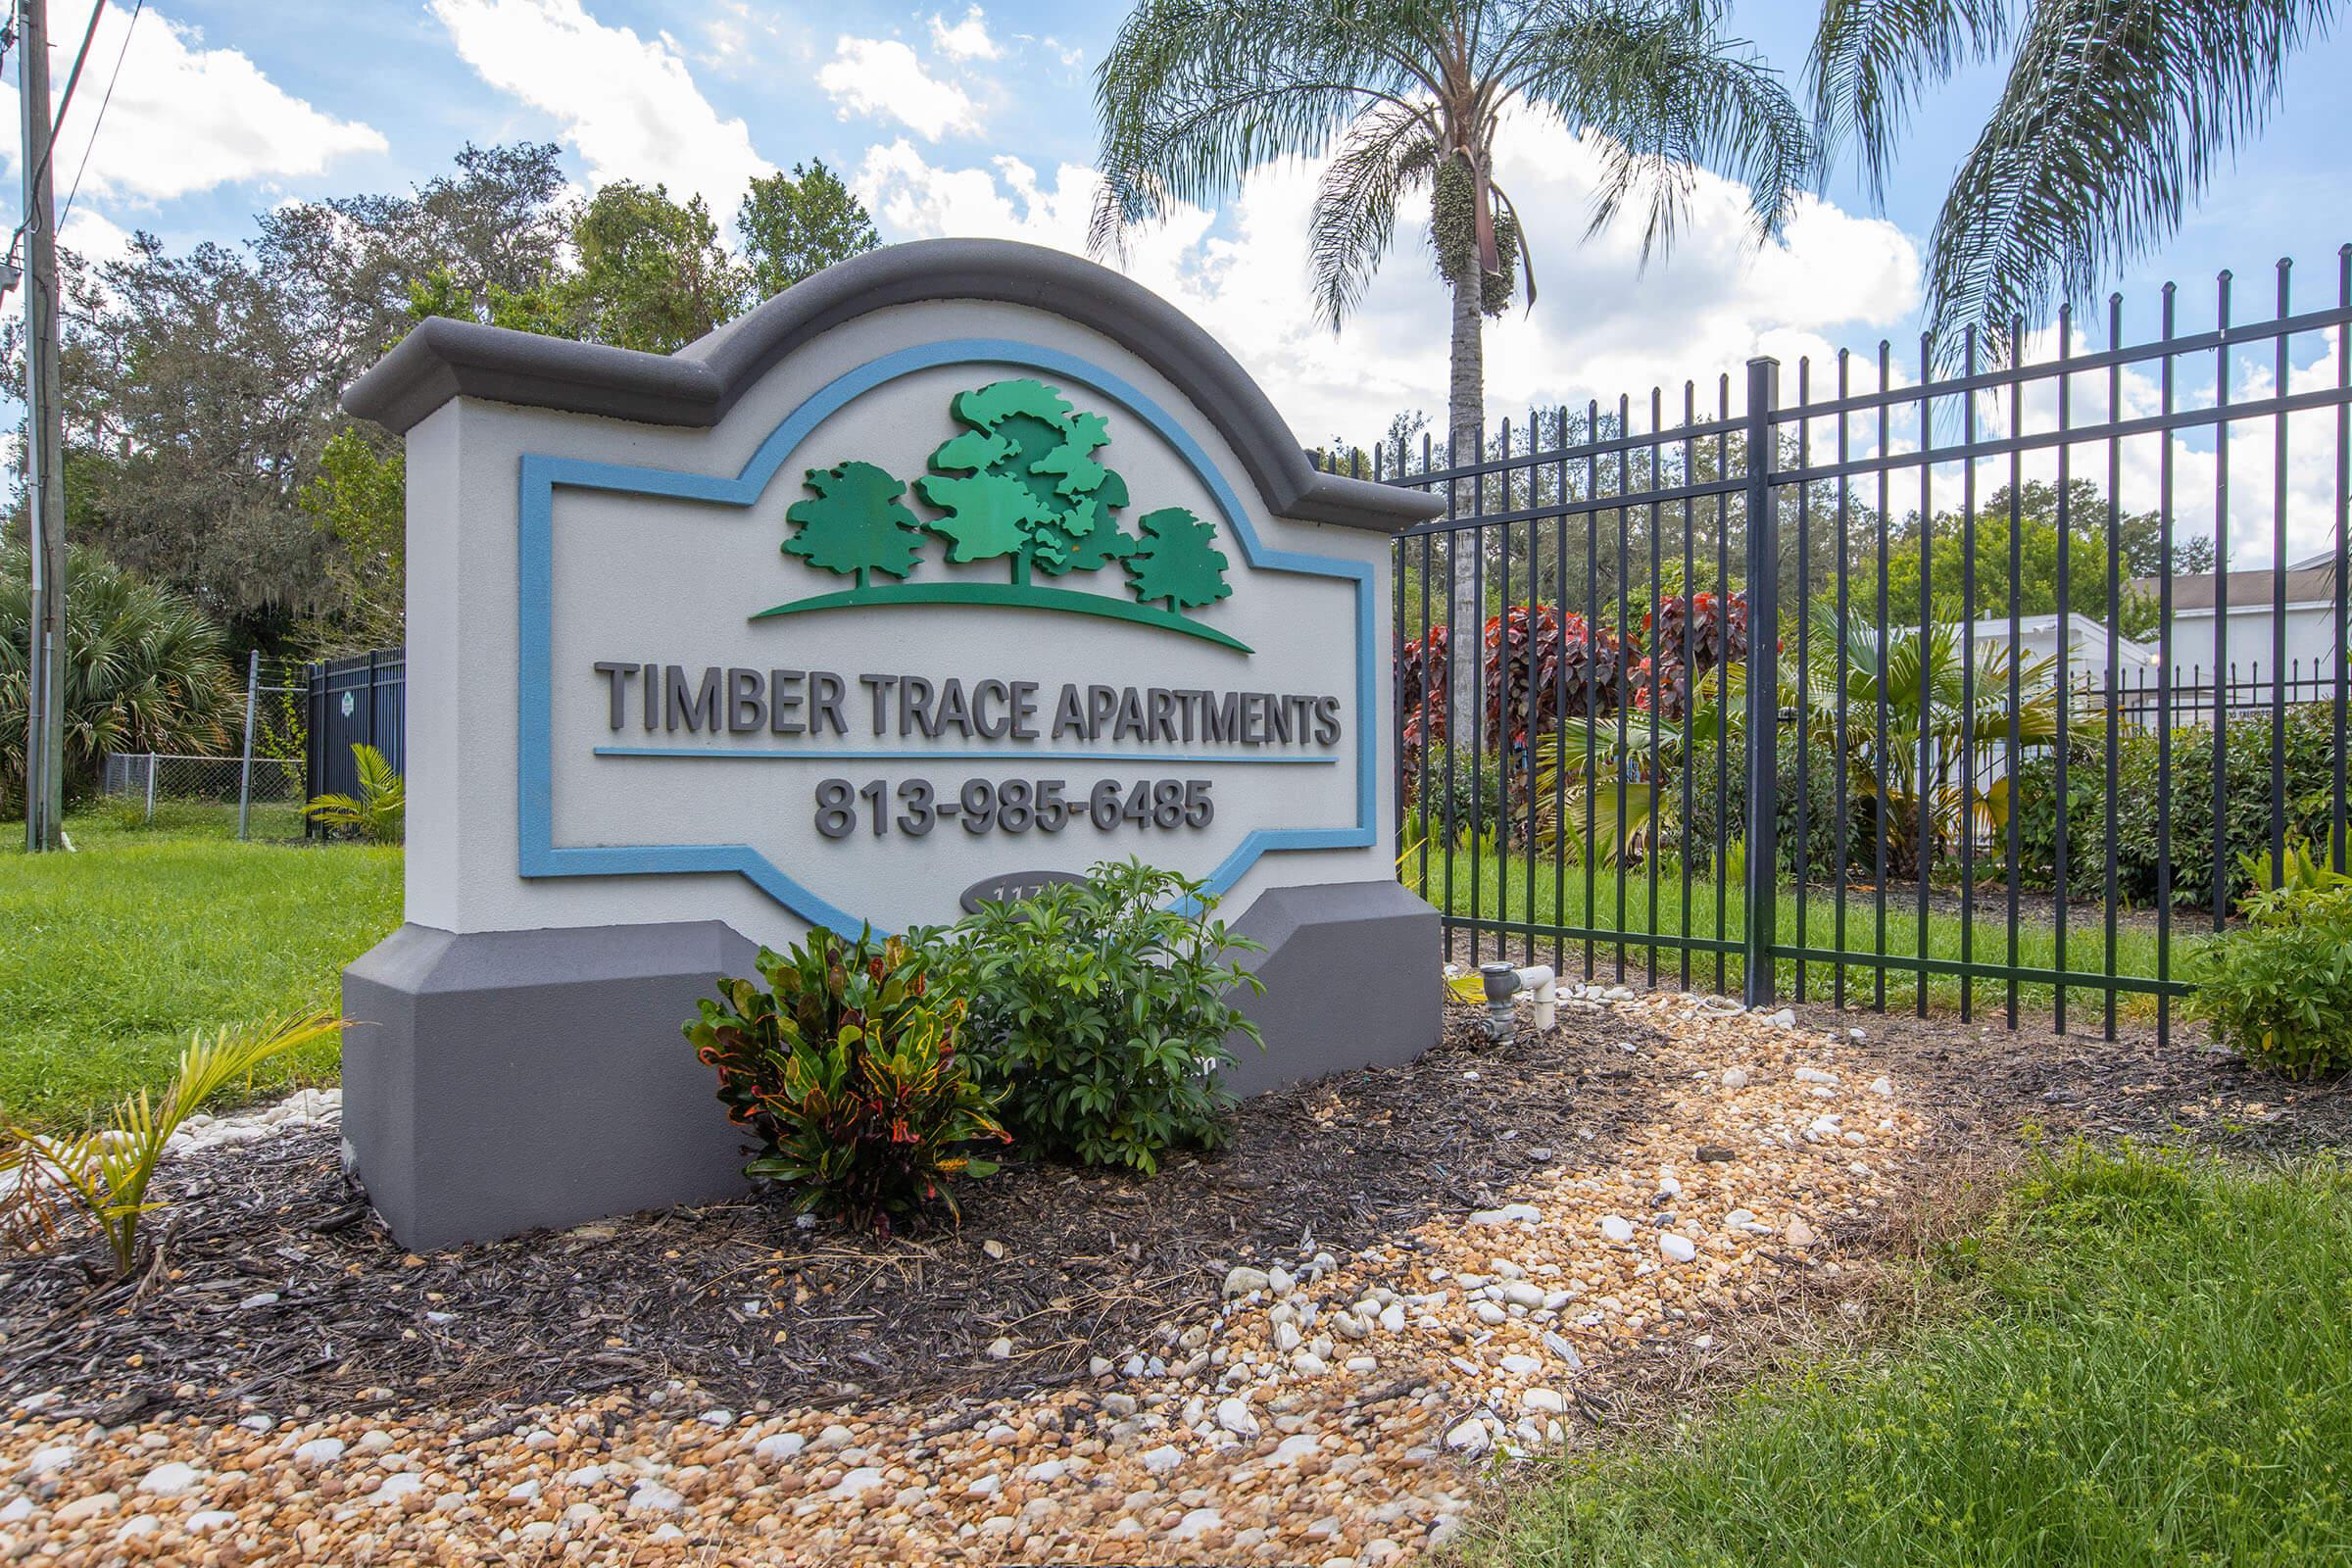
<point x="44" y="448"/>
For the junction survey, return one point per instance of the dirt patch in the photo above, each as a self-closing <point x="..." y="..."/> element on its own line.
<point x="277" y="1285"/>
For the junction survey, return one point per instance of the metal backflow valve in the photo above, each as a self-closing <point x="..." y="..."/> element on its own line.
<point x="1503" y="983"/>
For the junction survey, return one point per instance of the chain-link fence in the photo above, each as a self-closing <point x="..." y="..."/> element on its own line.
<point x="224" y="794"/>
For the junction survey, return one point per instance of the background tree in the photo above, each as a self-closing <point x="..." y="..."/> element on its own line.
<point x="2115" y="115"/>
<point x="795" y="225"/>
<point x="359" y="504"/>
<point x="1409" y="99"/>
<point x="652" y="273"/>
<point x="856" y="522"/>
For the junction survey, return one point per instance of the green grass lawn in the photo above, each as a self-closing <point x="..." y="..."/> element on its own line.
<point x="113" y="955"/>
<point x="1501" y="892"/>
<point x="2138" y="1359"/>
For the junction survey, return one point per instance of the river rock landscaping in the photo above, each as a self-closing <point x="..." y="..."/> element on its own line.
<point x="1314" y="1346"/>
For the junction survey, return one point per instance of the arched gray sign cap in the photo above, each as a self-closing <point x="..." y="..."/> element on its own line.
<point x="444" y="358"/>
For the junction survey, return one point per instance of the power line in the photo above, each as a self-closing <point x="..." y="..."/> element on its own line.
<point x="115" y="76"/>
<point x="73" y="80"/>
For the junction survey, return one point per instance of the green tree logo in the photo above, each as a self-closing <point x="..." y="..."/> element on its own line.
<point x="1178" y="561"/>
<point x="1020" y="482"/>
<point x="856" y="523"/>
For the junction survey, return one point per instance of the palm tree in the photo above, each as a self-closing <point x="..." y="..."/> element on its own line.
<point x="1409" y="99"/>
<point x="2115" y="115"/>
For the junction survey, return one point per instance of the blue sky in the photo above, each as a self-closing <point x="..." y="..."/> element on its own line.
<point x="965" y="120"/>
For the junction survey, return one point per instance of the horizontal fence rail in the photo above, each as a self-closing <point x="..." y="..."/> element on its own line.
<point x="1989" y="684"/>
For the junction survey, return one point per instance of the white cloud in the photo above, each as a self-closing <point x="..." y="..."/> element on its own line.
<point x="93" y="237"/>
<point x="882" y="77"/>
<point x="1601" y="325"/>
<point x="628" y="105"/>
<point x="968" y="39"/>
<point x="182" y="119"/>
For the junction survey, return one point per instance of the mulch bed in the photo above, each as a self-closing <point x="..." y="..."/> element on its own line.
<point x="739" y="1298"/>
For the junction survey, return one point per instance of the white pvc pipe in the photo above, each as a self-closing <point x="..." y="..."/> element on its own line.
<point x="1540" y="979"/>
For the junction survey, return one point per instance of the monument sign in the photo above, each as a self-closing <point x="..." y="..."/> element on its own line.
<point x="947" y="574"/>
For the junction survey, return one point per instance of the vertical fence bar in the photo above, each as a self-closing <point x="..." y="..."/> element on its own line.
<point x="1559" y="704"/>
<point x="1763" y="683"/>
<point x="1455" y="831"/>
<point x="1617" y="759"/>
<point x="1592" y="665"/>
<point x="2281" y="387"/>
<point x="1845" y="613"/>
<point x="2164" y="674"/>
<point x="2066" y="671"/>
<point x="252" y="695"/>
<point x="1799" y="860"/>
<point x="1690" y="667"/>
<point x="1476" y="718"/>
<point x="2223" y="674"/>
<point x="1535" y="692"/>
<point x="1882" y="759"/>
<point x="2115" y="622"/>
<point x="1503" y="700"/>
<point x="1649" y="854"/>
<point x="1723" y="748"/>
<point x="151" y="787"/>
<point x="1923" y="831"/>
<point x="1966" y="826"/>
<point x="2017" y="579"/>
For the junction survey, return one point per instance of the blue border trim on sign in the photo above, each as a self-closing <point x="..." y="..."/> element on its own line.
<point x="537" y="853"/>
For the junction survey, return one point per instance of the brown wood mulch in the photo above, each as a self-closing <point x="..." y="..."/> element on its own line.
<point x="284" y="1289"/>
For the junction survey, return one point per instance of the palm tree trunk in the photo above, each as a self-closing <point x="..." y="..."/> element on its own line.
<point x="1465" y="424"/>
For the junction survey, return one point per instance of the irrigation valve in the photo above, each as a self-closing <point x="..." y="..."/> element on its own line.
<point x="1503" y="983"/>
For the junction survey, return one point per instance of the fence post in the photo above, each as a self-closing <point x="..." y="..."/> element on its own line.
<point x="253" y="692"/>
<point x="1763" y="682"/>
<point x="150" y="786"/>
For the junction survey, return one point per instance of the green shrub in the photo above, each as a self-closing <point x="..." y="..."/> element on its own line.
<point x="2277" y="989"/>
<point x="2310" y="757"/>
<point x="1102" y="1010"/>
<point x="845" y="1069"/>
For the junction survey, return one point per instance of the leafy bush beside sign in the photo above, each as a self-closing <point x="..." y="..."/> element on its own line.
<point x="1101" y="1012"/>
<point x="846" y="1069"/>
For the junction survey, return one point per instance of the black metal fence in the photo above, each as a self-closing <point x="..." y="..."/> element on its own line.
<point x="1744" y="694"/>
<point x="358" y="699"/>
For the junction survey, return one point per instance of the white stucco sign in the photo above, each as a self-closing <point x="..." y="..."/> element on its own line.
<point x="954" y="570"/>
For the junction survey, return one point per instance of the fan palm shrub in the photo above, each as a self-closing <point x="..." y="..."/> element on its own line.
<point x="146" y="670"/>
<point x="1906" y="768"/>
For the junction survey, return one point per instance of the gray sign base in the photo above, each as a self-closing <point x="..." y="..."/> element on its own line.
<point x="509" y="1080"/>
<point x="512" y="1080"/>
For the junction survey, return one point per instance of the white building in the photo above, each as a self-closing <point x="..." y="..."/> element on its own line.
<point x="2095" y="650"/>
<point x="2314" y="640"/>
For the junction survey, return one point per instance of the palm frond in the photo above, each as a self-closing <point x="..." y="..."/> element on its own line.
<point x="1194" y="93"/>
<point x="2116" y="114"/>
<point x="1871" y="60"/>
<point x="105" y="1174"/>
<point x="1386" y="154"/>
<point x="1670" y="93"/>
